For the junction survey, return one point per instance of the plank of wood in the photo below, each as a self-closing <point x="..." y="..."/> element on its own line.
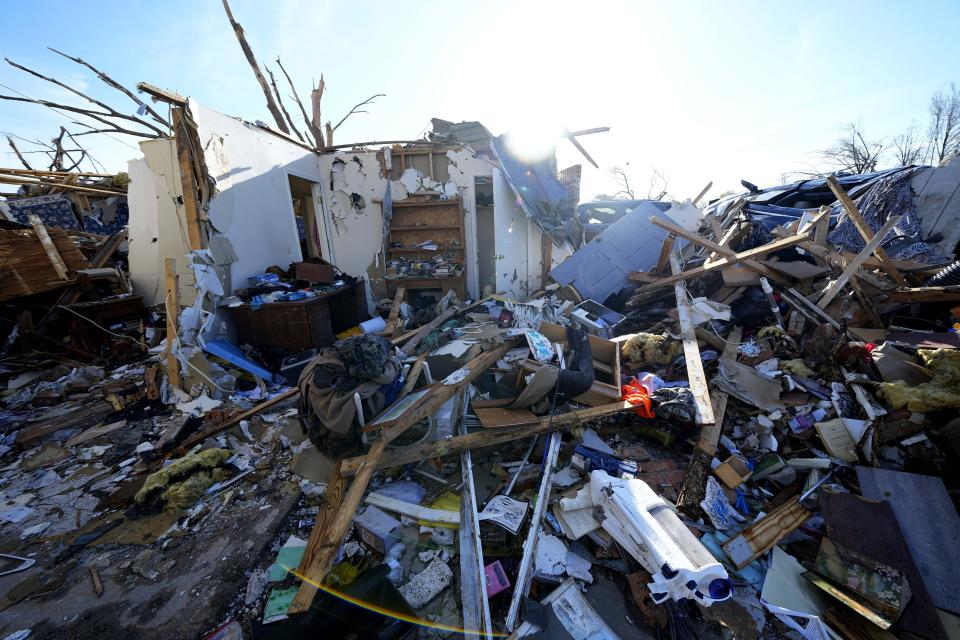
<point x="665" y="250"/>
<point x="949" y="293"/>
<point x="95" y="432"/>
<point x="724" y="251"/>
<point x="318" y="552"/>
<point x="710" y="434"/>
<point x="172" y="306"/>
<point x="726" y="261"/>
<point x="412" y="376"/>
<point x="691" y="351"/>
<point x="524" y="573"/>
<point x="55" y="259"/>
<point x="487" y="437"/>
<point x="234" y="421"/>
<point x="412" y="510"/>
<point x="837" y="285"/>
<point x="883" y="539"/>
<point x="81" y="417"/>
<point x="854" y="212"/>
<point x="394" y="316"/>
<point x="419" y="334"/>
<point x="188" y="179"/>
<point x="930" y="525"/>
<point x="491" y="417"/>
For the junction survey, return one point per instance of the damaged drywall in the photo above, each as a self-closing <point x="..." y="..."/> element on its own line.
<point x="154" y="230"/>
<point x="252" y="204"/>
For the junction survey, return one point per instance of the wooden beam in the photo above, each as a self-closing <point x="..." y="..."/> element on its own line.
<point x="172" y="306"/>
<point x="710" y="434"/>
<point x="234" y="421"/>
<point x="703" y="192"/>
<point x="486" y="438"/>
<point x="753" y="265"/>
<point x="691" y="351"/>
<point x="51" y="249"/>
<point x="394" y="316"/>
<point x="926" y="294"/>
<point x="188" y="179"/>
<point x="534" y="533"/>
<point x="318" y="552"/>
<point x="162" y="95"/>
<point x="864" y="229"/>
<point x="837" y="285"/>
<point x="665" y="250"/>
<point x="726" y="261"/>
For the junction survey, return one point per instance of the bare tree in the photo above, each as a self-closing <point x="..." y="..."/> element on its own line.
<point x="623" y="181"/>
<point x="944" y="132"/>
<point x="908" y="147"/>
<point x="658" y="185"/>
<point x="853" y="153"/>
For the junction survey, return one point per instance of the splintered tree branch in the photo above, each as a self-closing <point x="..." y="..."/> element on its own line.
<point x="315" y="97"/>
<point x="276" y="92"/>
<point x="96" y="115"/>
<point x="248" y="52"/>
<point x="116" y="85"/>
<point x="317" y="142"/>
<point x="111" y="112"/>
<point x="356" y="108"/>
<point x="20" y="157"/>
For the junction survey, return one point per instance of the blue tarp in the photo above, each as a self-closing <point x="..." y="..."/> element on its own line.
<point x="540" y="194"/>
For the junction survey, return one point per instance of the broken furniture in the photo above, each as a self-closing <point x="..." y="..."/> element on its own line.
<point x="308" y="323"/>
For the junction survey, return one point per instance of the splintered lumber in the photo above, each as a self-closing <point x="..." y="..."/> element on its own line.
<point x="26" y="267"/>
<point x="949" y="293"/>
<point x="172" y="306"/>
<point x="188" y="179"/>
<point x="486" y="438"/>
<point x="328" y="534"/>
<point x="761" y="535"/>
<point x="665" y="250"/>
<point x="394" y="316"/>
<point x="691" y="351"/>
<point x="753" y="265"/>
<point x="419" y="334"/>
<point x="82" y="416"/>
<point x="837" y="285"/>
<point x="534" y="533"/>
<point x="411" y="346"/>
<point x="854" y="212"/>
<point x="726" y="261"/>
<point x="95" y="432"/>
<point x="319" y="553"/>
<point x="710" y="434"/>
<point x="38" y="227"/>
<point x="234" y="421"/>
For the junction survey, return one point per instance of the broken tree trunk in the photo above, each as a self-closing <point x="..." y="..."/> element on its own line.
<point x="248" y="52"/>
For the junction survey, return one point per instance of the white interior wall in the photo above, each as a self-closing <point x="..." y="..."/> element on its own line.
<point x="156" y="227"/>
<point x="251" y="207"/>
<point x="510" y="231"/>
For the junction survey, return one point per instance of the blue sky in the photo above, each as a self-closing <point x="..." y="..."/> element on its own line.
<point x="702" y="90"/>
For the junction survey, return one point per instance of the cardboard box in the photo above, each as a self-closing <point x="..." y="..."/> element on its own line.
<point x="606" y="363"/>
<point x="315" y="270"/>
<point x="733" y="472"/>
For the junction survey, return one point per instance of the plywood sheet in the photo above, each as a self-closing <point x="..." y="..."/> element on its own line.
<point x="929" y="523"/>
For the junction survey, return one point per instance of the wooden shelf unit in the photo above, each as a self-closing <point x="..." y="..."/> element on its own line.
<point x="439" y="221"/>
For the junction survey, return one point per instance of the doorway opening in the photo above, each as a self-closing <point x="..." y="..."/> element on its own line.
<point x="309" y="228"/>
<point x="486" y="243"/>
